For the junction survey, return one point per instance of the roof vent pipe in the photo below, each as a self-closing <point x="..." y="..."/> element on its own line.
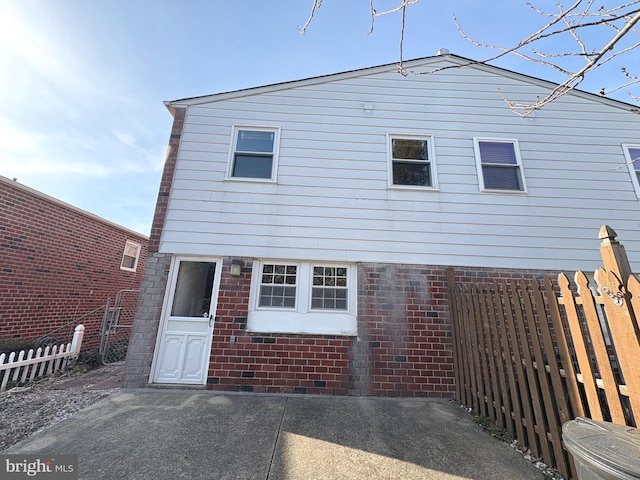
<point x="443" y="51"/>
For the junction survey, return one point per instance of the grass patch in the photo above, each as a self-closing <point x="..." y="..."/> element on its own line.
<point x="494" y="430"/>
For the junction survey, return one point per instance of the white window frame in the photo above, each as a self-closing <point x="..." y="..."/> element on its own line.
<point x="232" y="151"/>
<point x="431" y="160"/>
<point x="260" y="284"/>
<point x="632" y="171"/>
<point x="302" y="318"/>
<point x="479" y="164"/>
<point x="138" y="247"/>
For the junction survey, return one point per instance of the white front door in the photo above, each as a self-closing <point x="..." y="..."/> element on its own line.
<point x="184" y="341"/>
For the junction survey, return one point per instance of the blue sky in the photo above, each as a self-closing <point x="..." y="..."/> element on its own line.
<point x="82" y="82"/>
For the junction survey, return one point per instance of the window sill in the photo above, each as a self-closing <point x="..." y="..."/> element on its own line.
<point x="329" y="323"/>
<point x="250" y="180"/>
<point x="506" y="192"/>
<point x="412" y="188"/>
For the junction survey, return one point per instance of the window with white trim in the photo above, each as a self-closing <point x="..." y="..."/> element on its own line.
<point x="632" y="157"/>
<point x="130" y="256"/>
<point x="499" y="165"/>
<point x="411" y="161"/>
<point x="303" y="297"/>
<point x="330" y="289"/>
<point x="278" y="285"/>
<point x="254" y="153"/>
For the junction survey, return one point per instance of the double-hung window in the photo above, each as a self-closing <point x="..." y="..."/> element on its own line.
<point x="130" y="256"/>
<point x="632" y="157"/>
<point x="303" y="297"/>
<point x="499" y="165"/>
<point x="411" y="161"/>
<point x="254" y="153"/>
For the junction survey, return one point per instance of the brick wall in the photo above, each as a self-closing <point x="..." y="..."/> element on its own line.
<point x="57" y="263"/>
<point x="147" y="321"/>
<point x="167" y="178"/>
<point x="275" y="363"/>
<point x="404" y="324"/>
<point x="404" y="344"/>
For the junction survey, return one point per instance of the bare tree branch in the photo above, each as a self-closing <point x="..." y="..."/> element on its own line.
<point x="541" y="34"/>
<point x="571" y="22"/>
<point x="404" y="12"/>
<point x="402" y="6"/>
<point x="373" y="16"/>
<point x="576" y="78"/>
<point x="316" y="5"/>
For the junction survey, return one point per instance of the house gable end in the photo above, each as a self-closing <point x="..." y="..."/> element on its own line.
<point x="333" y="195"/>
<point x="427" y="66"/>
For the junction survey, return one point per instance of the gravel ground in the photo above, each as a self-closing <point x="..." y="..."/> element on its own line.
<point x="26" y="410"/>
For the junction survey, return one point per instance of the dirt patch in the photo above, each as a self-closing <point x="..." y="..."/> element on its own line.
<point x="27" y="409"/>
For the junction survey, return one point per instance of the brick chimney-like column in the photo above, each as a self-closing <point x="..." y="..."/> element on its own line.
<point x="167" y="179"/>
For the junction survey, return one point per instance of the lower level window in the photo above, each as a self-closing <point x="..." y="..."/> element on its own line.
<point x="329" y="291"/>
<point x="303" y="297"/>
<point x="278" y="285"/>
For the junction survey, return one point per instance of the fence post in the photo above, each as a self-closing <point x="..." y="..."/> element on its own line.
<point x="614" y="256"/>
<point x="621" y="314"/>
<point x="76" y="343"/>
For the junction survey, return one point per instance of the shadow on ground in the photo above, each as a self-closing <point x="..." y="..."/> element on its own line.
<point x="167" y="434"/>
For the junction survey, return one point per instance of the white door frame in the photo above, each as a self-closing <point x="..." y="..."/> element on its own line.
<point x="167" y="301"/>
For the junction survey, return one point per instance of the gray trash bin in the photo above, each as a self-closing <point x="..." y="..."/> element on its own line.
<point x="603" y="450"/>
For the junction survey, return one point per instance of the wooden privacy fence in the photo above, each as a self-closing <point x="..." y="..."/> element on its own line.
<point x="25" y="367"/>
<point x="532" y="355"/>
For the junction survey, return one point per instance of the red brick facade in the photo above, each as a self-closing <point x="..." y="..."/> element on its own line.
<point x="57" y="263"/>
<point x="403" y="348"/>
<point x="167" y="179"/>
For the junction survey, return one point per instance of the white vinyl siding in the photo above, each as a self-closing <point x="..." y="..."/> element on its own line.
<point x="332" y="201"/>
<point x="632" y="160"/>
<point x="303" y="297"/>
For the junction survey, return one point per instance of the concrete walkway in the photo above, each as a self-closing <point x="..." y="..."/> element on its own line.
<point x="170" y="434"/>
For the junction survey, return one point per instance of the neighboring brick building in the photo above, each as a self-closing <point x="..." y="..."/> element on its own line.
<point x="303" y="230"/>
<point x="57" y="263"/>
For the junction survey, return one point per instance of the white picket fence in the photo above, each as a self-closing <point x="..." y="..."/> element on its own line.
<point x="41" y="363"/>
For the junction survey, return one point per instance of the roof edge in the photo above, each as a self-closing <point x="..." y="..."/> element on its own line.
<point x="307" y="81"/>
<point x="406" y="65"/>
<point x="49" y="198"/>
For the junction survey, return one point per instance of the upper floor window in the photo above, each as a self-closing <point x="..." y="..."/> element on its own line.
<point x="411" y="160"/>
<point x="130" y="256"/>
<point x="254" y="153"/>
<point x="499" y="165"/>
<point x="632" y="157"/>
